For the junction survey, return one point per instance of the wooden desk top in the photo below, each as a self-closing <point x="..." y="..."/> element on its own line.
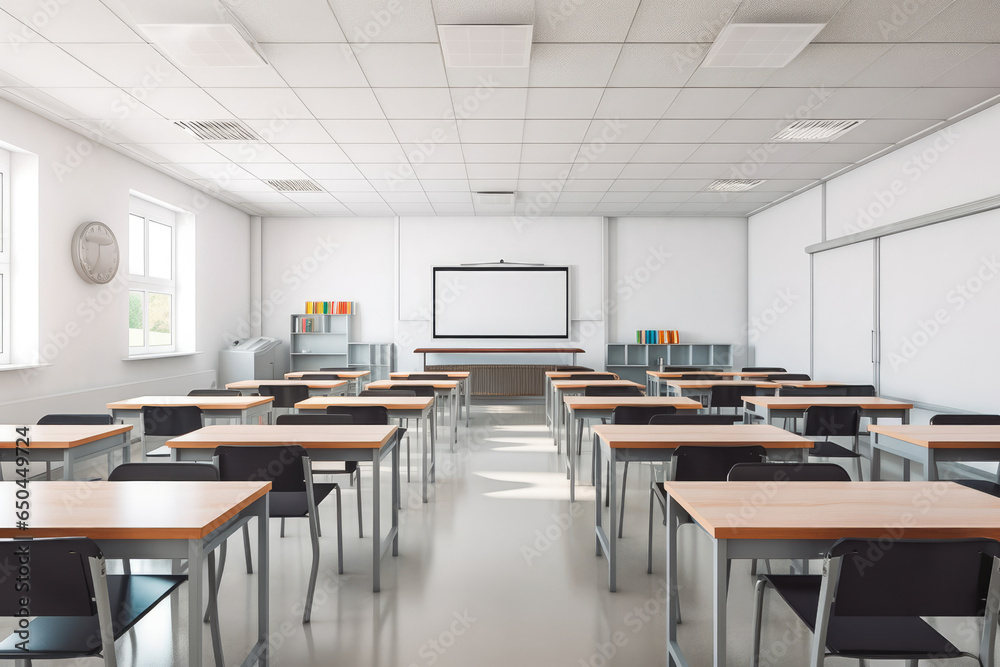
<point x="761" y="374"/>
<point x="701" y="384"/>
<point x="832" y="510"/>
<point x="203" y="402"/>
<point x="513" y="350"/>
<point x="665" y="436"/>
<point x="611" y="402"/>
<point x="580" y="384"/>
<point x="806" y="383"/>
<point x="343" y="374"/>
<point x="58" y="436"/>
<point x="437" y="384"/>
<point x="389" y="402"/>
<point x="944" y="436"/>
<point x="310" y="437"/>
<point x="312" y="384"/>
<point x="803" y="402"/>
<point x="127" y="510"/>
<point x="452" y="374"/>
<point x="673" y="375"/>
<point x="570" y="374"/>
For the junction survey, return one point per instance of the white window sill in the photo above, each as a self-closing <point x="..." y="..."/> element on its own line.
<point x="165" y="355"/>
<point x="21" y="367"/>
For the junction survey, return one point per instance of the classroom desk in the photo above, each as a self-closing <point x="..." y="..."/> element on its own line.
<point x="794" y="407"/>
<point x="172" y="520"/>
<point x="655" y="378"/>
<point x="353" y="377"/>
<point x="323" y="443"/>
<point x="316" y="387"/>
<point x="68" y="444"/>
<point x="701" y="388"/>
<point x="420" y="408"/>
<point x="788" y="525"/>
<point x="235" y="408"/>
<point x="563" y="375"/>
<point x="465" y="388"/>
<point x="656" y="444"/>
<point x="571" y="387"/>
<point x="447" y="389"/>
<point x="601" y="407"/>
<point x="802" y="384"/>
<point x="928" y="445"/>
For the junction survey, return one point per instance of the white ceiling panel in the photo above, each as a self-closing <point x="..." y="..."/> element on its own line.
<point x="664" y="152"/>
<point x="184" y="153"/>
<point x="316" y="65"/>
<point x="563" y="102"/>
<point x="375" y="152"/>
<point x="443" y="170"/>
<point x="311" y="197"/>
<point x="101" y="103"/>
<point x="371" y="210"/>
<point x="360" y="131"/>
<point x="568" y="196"/>
<point x="487" y="103"/>
<point x="780" y="103"/>
<point x="303" y="20"/>
<point x="433" y="152"/>
<point x="317" y="152"/>
<point x="699" y="171"/>
<point x="555" y="131"/>
<point x="370" y="197"/>
<point x="879" y="20"/>
<point x="142" y="130"/>
<point x="444" y="208"/>
<point x="349" y="189"/>
<point x="588" y="185"/>
<point x="629" y="131"/>
<point x="491" y="131"/>
<point x="656" y="65"/>
<point x="246" y="153"/>
<point x="491" y="152"/>
<point x="13" y="30"/>
<point x="321" y="210"/>
<point x="365" y="21"/>
<point x="217" y="172"/>
<point x="571" y="65"/>
<point x="635" y="102"/>
<point x="288" y="210"/>
<point x="740" y="130"/>
<point x="450" y="197"/>
<point x="681" y="21"/>
<point x="809" y="170"/>
<point x="636" y="188"/>
<point x="779" y="11"/>
<point x="414" y="197"/>
<point x="72" y="21"/>
<point x="826" y="65"/>
<point x="668" y="197"/>
<point x="937" y="103"/>
<point x="235" y="77"/>
<point x="606" y="153"/>
<point x="887" y="131"/>
<point x="355" y="103"/>
<point x="550" y="152"/>
<point x="594" y="170"/>
<point x="683" y="185"/>
<point x="963" y="21"/>
<point x="258" y="103"/>
<point x="492" y="184"/>
<point x="487" y="77"/>
<point x="386" y="171"/>
<point x="446" y="185"/>
<point x="561" y="21"/>
<point x="267" y="171"/>
<point x="48" y="66"/>
<point x="857" y="102"/>
<point x="544" y="171"/>
<point x="913" y="65"/>
<point x="392" y="183"/>
<point x="732" y="153"/>
<point x="729" y="77"/>
<point x="492" y="171"/>
<point x="281" y="131"/>
<point x="331" y="171"/>
<point x="184" y="104"/>
<point x="982" y="70"/>
<point x="845" y="152"/>
<point x="651" y="170"/>
<point x="700" y="103"/>
<point x="402" y="65"/>
<point x="430" y="132"/>
<point x="428" y="103"/>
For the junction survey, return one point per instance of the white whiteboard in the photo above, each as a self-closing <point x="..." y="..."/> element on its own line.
<point x="939" y="309"/>
<point x="516" y="302"/>
<point x="843" y="314"/>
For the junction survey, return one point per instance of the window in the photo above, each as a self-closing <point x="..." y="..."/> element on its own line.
<point x="5" y="258"/>
<point x="152" y="268"/>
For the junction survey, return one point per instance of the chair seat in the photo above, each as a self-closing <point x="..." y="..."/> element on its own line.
<point x="333" y="467"/>
<point x="59" y="637"/>
<point x="862" y="636"/>
<point x="287" y="505"/>
<point x="831" y="450"/>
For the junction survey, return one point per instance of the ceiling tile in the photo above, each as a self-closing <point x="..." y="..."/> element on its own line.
<point x="371" y="210"/>
<point x="413" y="209"/>
<point x="374" y="152"/>
<point x="356" y="103"/>
<point x="938" y="103"/>
<point x="68" y="21"/>
<point x="331" y="171"/>
<point x="402" y="65"/>
<point x="857" y="102"/>
<point x="562" y="102"/>
<point x="554" y="131"/>
<point x="668" y="197"/>
<point x="698" y="171"/>
<point x="484" y="103"/>
<point x="549" y="152"/>
<point x="449" y="197"/>
<point x="360" y="131"/>
<point x="487" y="77"/>
<point x="365" y="21"/>
<point x="370" y="197"/>
<point x="561" y="21"/>
<point x="886" y="131"/>
<point x="444" y="208"/>
<point x="492" y="184"/>
<point x="320" y="210"/>
<point x="683" y="185"/>
<point x="776" y="11"/>
<point x="491" y="152"/>
<point x="653" y="65"/>
<point x="275" y="171"/>
<point x="648" y="170"/>
<point x="623" y="197"/>
<point x="386" y="171"/>
<point x="14" y="31"/>
<point x="733" y="153"/>
<point x="432" y="152"/>
<point x="247" y="103"/>
<point x="492" y="131"/>
<point x="627" y="131"/>
<point x="428" y="132"/>
<point x="445" y="185"/>
<point x="301" y="20"/>
<point x="962" y="21"/>
<point x="414" y="197"/>
<point x="594" y="170"/>
<point x="277" y="131"/>
<point x="184" y="104"/>
<point x="729" y="77"/>
<point x="48" y="66"/>
<point x="606" y="153"/>
<point x="700" y="103"/>
<point x="100" y="103"/>
<point x="588" y="185"/>
<point x="444" y="171"/>
<point x="181" y="152"/>
<point x="246" y="153"/>
<point x="297" y="65"/>
<point x="981" y="70"/>
<point x="662" y="208"/>
<point x="682" y="21"/>
<point x="913" y="65"/>
<point x="635" y="102"/>
<point x="393" y="184"/>
<point x="568" y="196"/>
<point x="342" y="188"/>
<point x="845" y="152"/>
<point x="637" y="188"/>
<point x="570" y="65"/>
<point x="235" y="77"/>
<point x="879" y="20"/>
<point x="492" y="171"/>
<point x="429" y="103"/>
<point x="614" y="209"/>
<point x="217" y="172"/>
<point x="751" y="131"/>
<point x="788" y="103"/>
<point x="664" y="152"/>
<point x="318" y="152"/>
<point x="544" y="171"/>
<point x="826" y="65"/>
<point x="809" y="170"/>
<point x="140" y="131"/>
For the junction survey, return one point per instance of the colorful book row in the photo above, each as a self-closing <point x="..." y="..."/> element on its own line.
<point x="304" y="325"/>
<point x="657" y="337"/>
<point x="331" y="307"/>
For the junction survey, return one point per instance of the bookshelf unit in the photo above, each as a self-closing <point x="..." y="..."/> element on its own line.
<point x="632" y="360"/>
<point x="326" y="345"/>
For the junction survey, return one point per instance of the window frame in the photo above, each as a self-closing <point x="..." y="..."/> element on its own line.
<point x="145" y="284"/>
<point x="6" y="320"/>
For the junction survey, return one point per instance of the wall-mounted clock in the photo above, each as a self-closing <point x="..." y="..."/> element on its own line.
<point x="95" y="252"/>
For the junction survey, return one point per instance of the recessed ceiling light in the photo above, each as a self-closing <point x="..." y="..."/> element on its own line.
<point x="495" y="198"/>
<point x="815" y="130"/>
<point x="734" y="185"/>
<point x="760" y="44"/>
<point x="486" y="45"/>
<point x="204" y="44"/>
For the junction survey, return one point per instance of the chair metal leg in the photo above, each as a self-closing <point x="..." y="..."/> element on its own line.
<point x="282" y="527"/>
<point x="313" y="570"/>
<point x="319" y="520"/>
<point x="340" y="535"/>
<point x="361" y="532"/>
<point x="621" y="513"/>
<point x="758" y="611"/>
<point x="607" y="494"/>
<point x="246" y="548"/>
<point x="649" y="540"/>
<point x="213" y="611"/>
<point x="861" y="476"/>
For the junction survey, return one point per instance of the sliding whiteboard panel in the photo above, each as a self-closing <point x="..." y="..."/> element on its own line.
<point x="940" y="313"/>
<point x="843" y="314"/>
<point x="519" y="302"/>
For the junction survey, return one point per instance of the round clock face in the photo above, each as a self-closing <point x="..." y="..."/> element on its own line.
<point x="95" y="252"/>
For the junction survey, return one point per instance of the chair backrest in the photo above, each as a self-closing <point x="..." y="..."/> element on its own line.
<point x="167" y="471"/>
<point x="387" y="392"/>
<point x="762" y="369"/>
<point x="361" y="414"/>
<point x="788" y="472"/>
<point x="639" y="414"/>
<point x="858" y="389"/>
<point x="669" y="369"/>
<point x="728" y="396"/>
<point x="282" y="465"/>
<point x="170" y="420"/>
<point x="285" y="395"/>
<point x="954" y="420"/>
<point x="686" y="419"/>
<point x="832" y="421"/>
<point x="571" y="369"/>
<point x="77" y="420"/>
<point x="214" y="392"/>
<point x="61" y="579"/>
<point x="322" y="376"/>
<point x="787" y="376"/>
<point x="416" y="389"/>
<point x="596" y="376"/>
<point x="914" y="577"/>
<point x="712" y="464"/>
<point x="699" y="376"/>
<point x="314" y="420"/>
<point x="833" y="390"/>
<point x="337" y="368"/>
<point x="626" y="390"/>
<point x="428" y="376"/>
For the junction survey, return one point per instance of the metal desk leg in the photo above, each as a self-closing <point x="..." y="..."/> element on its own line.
<point x="557" y="421"/>
<point x="69" y="458"/>
<point x="423" y="456"/>
<point x="376" y="522"/>
<point x="263" y="582"/>
<point x="598" y="468"/>
<point x="673" y="649"/>
<point x="396" y="501"/>
<point x="468" y="400"/>
<point x="612" y="525"/>
<point x="571" y="457"/>
<point x="720" y="567"/>
<point x="195" y="592"/>
<point x="876" y="460"/>
<point x="454" y="420"/>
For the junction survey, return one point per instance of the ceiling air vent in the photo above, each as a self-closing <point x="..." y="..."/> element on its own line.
<point x="816" y="130"/>
<point x="294" y="185"/>
<point x="734" y="185"/>
<point x="217" y="130"/>
<point x="495" y="198"/>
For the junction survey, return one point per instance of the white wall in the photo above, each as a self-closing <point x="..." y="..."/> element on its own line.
<point x="83" y="327"/>
<point x="778" y="276"/>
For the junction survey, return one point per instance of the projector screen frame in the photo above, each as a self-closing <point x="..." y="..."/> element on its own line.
<point x="500" y="267"/>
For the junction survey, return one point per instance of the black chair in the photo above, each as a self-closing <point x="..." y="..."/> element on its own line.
<point x="349" y="468"/>
<point x="762" y="369"/>
<point x="77" y="610"/>
<point x="673" y="369"/>
<point x="834" y="421"/>
<point x="959" y="420"/>
<point x="788" y="472"/>
<point x="98" y="419"/>
<point x="604" y="390"/>
<point x="285" y="395"/>
<point x="685" y="419"/>
<point x="392" y="392"/>
<point x="700" y="376"/>
<point x="323" y="376"/>
<point x="572" y="369"/>
<point x="214" y="392"/>
<point x="293" y="492"/>
<point x="727" y="396"/>
<point x="697" y="464"/>
<point x="596" y="376"/>
<point x="428" y="376"/>
<point x="858" y="389"/>
<point x="787" y="376"/>
<point x="832" y="390"/>
<point x="881" y="602"/>
<point x="167" y="421"/>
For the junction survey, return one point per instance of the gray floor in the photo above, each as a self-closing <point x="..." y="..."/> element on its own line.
<point x="498" y="569"/>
